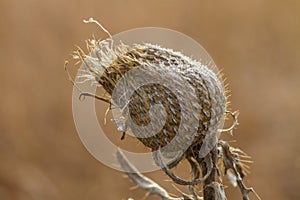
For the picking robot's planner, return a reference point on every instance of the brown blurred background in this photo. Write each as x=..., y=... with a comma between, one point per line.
x=256, y=43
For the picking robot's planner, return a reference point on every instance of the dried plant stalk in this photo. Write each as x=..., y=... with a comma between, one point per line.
x=105, y=65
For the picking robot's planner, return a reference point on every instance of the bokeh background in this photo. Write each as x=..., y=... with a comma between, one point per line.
x=256, y=43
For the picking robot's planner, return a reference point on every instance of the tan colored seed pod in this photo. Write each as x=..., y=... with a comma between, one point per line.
x=171, y=103
x=106, y=65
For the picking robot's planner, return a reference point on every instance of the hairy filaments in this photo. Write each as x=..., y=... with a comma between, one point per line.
x=106, y=65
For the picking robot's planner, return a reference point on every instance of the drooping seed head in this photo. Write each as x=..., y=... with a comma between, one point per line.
x=194, y=86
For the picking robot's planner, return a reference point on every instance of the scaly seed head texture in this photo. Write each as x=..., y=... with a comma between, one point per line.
x=106, y=65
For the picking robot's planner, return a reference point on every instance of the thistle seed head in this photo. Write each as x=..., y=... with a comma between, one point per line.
x=105, y=65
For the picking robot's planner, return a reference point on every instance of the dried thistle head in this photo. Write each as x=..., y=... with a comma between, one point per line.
x=185, y=89
x=105, y=65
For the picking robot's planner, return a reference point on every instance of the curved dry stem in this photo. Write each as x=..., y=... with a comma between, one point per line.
x=234, y=115
x=86, y=94
x=160, y=162
x=91, y=20
x=143, y=182
x=195, y=174
x=173, y=163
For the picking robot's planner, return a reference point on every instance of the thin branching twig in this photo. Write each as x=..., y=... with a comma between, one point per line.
x=144, y=182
